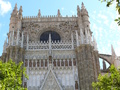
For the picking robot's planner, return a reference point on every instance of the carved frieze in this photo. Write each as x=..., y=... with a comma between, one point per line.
x=35, y=29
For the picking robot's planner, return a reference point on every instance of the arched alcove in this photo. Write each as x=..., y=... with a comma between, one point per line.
x=54, y=36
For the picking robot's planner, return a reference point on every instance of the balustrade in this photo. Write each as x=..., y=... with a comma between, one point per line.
x=62, y=45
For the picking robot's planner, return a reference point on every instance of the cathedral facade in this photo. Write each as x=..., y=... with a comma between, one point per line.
x=58, y=52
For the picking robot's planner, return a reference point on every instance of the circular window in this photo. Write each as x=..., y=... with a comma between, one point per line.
x=54, y=36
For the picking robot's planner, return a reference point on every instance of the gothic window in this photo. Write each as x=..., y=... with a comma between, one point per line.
x=58, y=62
x=45, y=62
x=74, y=62
x=34, y=63
x=70, y=62
x=38, y=63
x=76, y=85
x=66, y=62
x=25, y=63
x=54, y=62
x=25, y=84
x=62, y=63
x=30, y=63
x=50, y=59
x=54, y=36
x=41, y=63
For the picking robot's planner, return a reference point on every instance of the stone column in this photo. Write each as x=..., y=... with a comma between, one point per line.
x=18, y=37
x=86, y=63
x=22, y=40
x=27, y=41
x=77, y=41
x=72, y=40
x=13, y=38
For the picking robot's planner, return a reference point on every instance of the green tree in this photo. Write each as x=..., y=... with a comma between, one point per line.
x=11, y=75
x=109, y=3
x=110, y=81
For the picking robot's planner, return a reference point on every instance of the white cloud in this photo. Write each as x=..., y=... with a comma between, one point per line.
x=5, y=6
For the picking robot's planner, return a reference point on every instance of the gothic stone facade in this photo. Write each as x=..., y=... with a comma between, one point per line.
x=57, y=51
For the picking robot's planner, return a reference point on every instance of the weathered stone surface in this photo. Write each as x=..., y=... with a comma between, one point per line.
x=88, y=68
x=15, y=53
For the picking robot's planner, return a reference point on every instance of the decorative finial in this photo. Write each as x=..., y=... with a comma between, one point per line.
x=15, y=8
x=20, y=10
x=78, y=11
x=15, y=11
x=113, y=51
x=83, y=7
x=58, y=13
x=39, y=14
x=16, y=5
x=78, y=8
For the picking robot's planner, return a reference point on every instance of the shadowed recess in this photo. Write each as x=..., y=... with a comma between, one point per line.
x=54, y=36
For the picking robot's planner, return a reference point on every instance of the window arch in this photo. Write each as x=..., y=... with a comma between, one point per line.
x=54, y=36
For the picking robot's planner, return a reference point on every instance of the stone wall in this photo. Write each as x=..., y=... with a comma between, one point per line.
x=15, y=53
x=88, y=68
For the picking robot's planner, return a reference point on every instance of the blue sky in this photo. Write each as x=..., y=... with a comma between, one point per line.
x=104, y=29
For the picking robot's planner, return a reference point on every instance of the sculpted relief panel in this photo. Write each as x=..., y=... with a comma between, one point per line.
x=35, y=29
x=51, y=83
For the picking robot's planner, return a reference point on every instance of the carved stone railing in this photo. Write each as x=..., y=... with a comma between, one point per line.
x=62, y=45
x=49, y=18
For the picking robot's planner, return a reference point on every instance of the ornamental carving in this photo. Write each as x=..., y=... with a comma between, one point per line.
x=51, y=83
x=35, y=29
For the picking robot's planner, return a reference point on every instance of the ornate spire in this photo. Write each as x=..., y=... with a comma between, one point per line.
x=82, y=7
x=15, y=8
x=15, y=11
x=113, y=51
x=20, y=10
x=78, y=8
x=39, y=14
x=58, y=14
x=78, y=11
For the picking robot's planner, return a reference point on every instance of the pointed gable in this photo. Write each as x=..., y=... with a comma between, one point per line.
x=51, y=82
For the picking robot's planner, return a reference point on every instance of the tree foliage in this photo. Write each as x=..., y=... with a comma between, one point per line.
x=109, y=3
x=109, y=81
x=11, y=75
